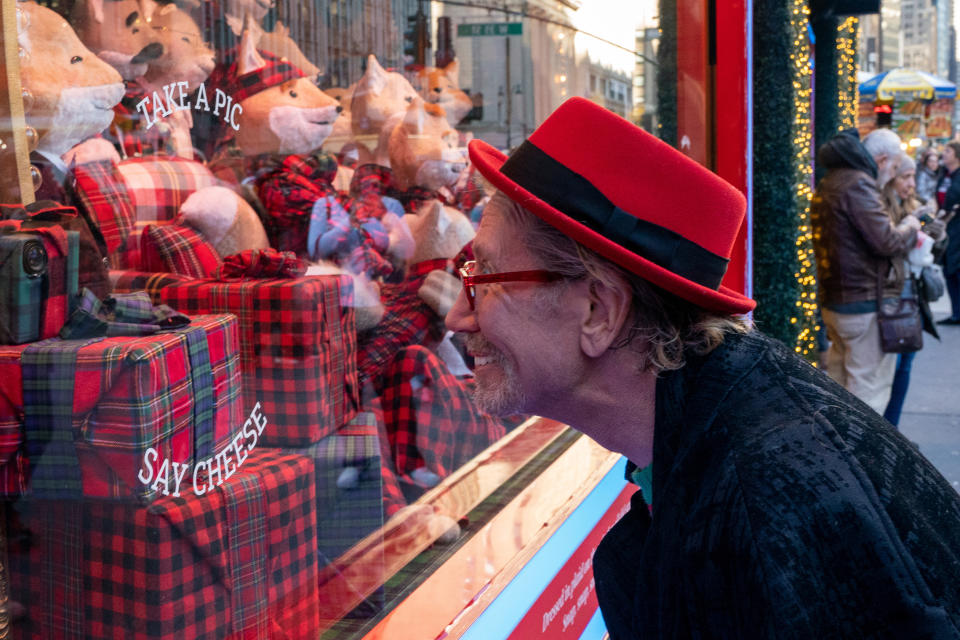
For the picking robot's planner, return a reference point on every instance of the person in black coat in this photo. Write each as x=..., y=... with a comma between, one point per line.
x=772, y=503
x=948, y=196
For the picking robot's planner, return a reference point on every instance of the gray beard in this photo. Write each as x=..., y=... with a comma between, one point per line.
x=503, y=398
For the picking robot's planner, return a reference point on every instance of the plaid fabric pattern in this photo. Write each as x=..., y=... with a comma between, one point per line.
x=157, y=187
x=49, y=370
x=429, y=416
x=273, y=73
x=150, y=282
x=36, y=308
x=288, y=187
x=129, y=314
x=238, y=561
x=349, y=485
x=101, y=190
x=183, y=250
x=262, y=263
x=128, y=395
x=298, y=349
x=407, y=320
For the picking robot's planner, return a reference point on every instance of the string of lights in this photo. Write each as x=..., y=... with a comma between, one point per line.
x=804, y=316
x=848, y=95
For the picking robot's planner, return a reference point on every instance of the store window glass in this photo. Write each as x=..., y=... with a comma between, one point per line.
x=229, y=233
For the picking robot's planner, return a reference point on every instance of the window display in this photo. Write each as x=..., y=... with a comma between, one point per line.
x=229, y=406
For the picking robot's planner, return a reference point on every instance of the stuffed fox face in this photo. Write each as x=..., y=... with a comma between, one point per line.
x=73, y=91
x=440, y=86
x=293, y=117
x=119, y=32
x=423, y=149
x=185, y=57
x=378, y=95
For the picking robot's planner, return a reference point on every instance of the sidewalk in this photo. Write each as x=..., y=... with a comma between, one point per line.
x=931, y=413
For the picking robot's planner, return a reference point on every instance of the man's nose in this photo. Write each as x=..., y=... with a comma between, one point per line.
x=461, y=318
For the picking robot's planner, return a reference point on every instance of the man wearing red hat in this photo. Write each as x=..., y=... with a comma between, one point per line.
x=773, y=503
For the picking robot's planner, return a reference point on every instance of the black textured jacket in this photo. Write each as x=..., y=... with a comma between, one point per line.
x=783, y=507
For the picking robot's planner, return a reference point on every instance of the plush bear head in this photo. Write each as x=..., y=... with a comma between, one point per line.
x=423, y=148
x=119, y=32
x=378, y=95
x=281, y=111
x=71, y=92
x=185, y=57
x=224, y=219
x=440, y=86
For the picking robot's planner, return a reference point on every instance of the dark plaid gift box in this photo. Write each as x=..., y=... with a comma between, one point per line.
x=35, y=305
x=238, y=561
x=350, y=485
x=298, y=349
x=176, y=392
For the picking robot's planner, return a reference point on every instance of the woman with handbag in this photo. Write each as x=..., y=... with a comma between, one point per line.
x=900, y=198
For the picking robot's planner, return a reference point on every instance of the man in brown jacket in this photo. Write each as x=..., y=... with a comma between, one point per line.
x=857, y=245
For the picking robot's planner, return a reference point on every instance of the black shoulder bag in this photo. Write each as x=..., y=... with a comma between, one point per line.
x=900, y=323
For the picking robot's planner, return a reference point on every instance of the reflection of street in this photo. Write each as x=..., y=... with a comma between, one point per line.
x=931, y=414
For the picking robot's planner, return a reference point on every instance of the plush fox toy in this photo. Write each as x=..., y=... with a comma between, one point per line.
x=440, y=86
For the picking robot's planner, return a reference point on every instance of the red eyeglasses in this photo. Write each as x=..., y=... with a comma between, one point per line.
x=470, y=281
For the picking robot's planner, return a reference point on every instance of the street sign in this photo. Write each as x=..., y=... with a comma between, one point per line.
x=490, y=29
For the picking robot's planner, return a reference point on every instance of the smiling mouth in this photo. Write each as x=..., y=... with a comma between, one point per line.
x=479, y=361
x=320, y=122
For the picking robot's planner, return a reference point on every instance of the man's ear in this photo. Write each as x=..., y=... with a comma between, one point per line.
x=605, y=317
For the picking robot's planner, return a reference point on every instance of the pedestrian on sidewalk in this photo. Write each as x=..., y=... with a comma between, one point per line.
x=948, y=196
x=899, y=196
x=856, y=246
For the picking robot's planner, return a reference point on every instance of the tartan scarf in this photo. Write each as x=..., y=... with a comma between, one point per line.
x=123, y=314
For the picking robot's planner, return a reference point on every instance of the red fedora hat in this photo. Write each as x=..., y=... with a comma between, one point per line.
x=630, y=197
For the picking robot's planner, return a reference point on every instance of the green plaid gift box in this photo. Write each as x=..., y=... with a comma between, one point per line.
x=88, y=411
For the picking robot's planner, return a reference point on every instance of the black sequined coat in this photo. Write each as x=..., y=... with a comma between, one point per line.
x=783, y=507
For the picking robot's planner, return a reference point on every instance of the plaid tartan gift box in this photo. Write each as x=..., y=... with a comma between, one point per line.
x=238, y=561
x=350, y=485
x=176, y=392
x=298, y=348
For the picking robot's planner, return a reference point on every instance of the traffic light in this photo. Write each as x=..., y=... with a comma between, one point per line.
x=884, y=114
x=416, y=39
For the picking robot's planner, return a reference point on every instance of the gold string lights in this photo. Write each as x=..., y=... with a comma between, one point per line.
x=804, y=317
x=848, y=93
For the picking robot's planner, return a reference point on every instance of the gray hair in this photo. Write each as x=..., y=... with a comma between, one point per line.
x=664, y=326
x=902, y=163
x=882, y=142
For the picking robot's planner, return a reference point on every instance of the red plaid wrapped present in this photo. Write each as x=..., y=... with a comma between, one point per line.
x=175, y=392
x=238, y=561
x=101, y=192
x=298, y=349
x=157, y=187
